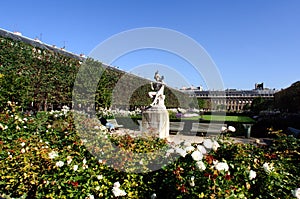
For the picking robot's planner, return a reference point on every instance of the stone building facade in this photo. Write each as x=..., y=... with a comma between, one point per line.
x=231, y=99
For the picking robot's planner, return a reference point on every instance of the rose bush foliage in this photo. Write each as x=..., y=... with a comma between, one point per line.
x=45, y=156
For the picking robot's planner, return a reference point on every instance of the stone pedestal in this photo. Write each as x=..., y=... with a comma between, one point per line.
x=156, y=120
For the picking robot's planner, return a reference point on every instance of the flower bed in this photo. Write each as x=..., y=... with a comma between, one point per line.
x=47, y=156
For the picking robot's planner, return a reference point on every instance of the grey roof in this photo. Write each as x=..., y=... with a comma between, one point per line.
x=37, y=43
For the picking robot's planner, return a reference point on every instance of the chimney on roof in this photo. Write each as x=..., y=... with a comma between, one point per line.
x=259, y=86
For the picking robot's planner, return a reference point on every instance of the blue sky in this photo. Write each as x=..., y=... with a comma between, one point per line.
x=250, y=41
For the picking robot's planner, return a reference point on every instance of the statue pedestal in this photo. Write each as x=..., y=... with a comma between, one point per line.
x=156, y=120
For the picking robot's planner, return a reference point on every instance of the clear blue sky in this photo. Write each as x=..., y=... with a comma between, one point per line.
x=250, y=41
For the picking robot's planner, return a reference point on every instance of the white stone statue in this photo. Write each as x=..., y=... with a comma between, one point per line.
x=158, y=94
x=155, y=118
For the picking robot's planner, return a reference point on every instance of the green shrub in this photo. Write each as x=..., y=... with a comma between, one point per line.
x=46, y=156
x=172, y=114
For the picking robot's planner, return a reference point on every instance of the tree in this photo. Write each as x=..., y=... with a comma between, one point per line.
x=261, y=104
x=247, y=107
x=201, y=103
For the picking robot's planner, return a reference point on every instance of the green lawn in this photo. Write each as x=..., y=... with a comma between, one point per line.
x=242, y=119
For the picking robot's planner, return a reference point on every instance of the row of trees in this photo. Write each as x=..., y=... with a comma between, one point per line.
x=288, y=100
x=119, y=89
x=34, y=77
x=40, y=79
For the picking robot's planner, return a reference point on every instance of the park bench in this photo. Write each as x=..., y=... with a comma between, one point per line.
x=293, y=131
x=115, y=123
x=207, y=129
x=176, y=127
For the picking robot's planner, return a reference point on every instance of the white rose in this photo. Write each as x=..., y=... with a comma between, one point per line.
x=268, y=168
x=215, y=162
x=117, y=184
x=23, y=150
x=141, y=162
x=200, y=165
x=181, y=152
x=99, y=177
x=75, y=167
x=69, y=160
x=189, y=149
x=153, y=196
x=59, y=164
x=231, y=128
x=215, y=145
x=222, y=166
x=208, y=143
x=53, y=155
x=296, y=193
x=117, y=191
x=197, y=155
x=85, y=166
x=192, y=182
x=252, y=174
x=201, y=149
x=223, y=128
x=91, y=196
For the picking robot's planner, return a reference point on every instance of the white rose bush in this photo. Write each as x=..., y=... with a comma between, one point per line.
x=296, y=193
x=48, y=159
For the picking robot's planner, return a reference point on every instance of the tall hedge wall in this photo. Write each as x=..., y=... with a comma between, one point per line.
x=42, y=79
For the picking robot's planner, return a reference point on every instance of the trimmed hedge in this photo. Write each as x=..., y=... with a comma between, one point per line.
x=41, y=79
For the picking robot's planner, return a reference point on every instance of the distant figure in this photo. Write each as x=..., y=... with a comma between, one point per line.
x=108, y=125
x=158, y=94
